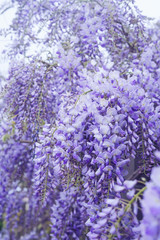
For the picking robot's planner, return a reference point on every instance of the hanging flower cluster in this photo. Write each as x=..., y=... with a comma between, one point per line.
x=151, y=207
x=80, y=126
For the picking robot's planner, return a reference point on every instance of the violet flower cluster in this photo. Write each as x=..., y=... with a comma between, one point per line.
x=151, y=207
x=81, y=123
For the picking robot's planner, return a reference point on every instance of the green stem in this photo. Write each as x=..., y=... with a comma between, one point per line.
x=127, y=207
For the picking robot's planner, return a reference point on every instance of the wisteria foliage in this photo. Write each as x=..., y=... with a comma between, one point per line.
x=80, y=124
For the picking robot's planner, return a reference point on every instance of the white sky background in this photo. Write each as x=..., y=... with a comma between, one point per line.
x=5, y=21
x=150, y=8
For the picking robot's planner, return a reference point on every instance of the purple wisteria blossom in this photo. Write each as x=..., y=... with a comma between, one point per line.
x=80, y=123
x=150, y=225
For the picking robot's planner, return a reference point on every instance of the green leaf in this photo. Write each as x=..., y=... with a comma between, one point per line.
x=5, y=137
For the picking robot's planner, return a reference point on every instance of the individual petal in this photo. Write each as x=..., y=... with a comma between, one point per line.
x=129, y=184
x=113, y=202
